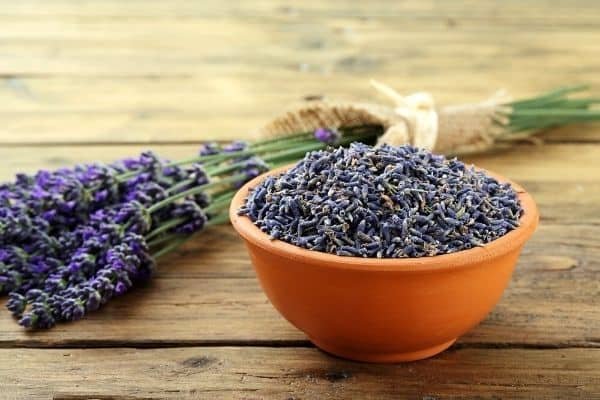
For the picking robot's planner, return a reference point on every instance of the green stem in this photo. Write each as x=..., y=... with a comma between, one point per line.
x=164, y=238
x=254, y=149
x=195, y=190
x=218, y=219
x=170, y=247
x=219, y=204
x=226, y=168
x=222, y=195
x=177, y=239
x=285, y=138
x=165, y=227
x=264, y=145
x=549, y=96
x=294, y=153
x=554, y=112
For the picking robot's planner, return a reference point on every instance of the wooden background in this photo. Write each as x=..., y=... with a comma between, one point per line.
x=98, y=80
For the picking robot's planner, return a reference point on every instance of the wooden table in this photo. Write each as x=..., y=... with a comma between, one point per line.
x=101, y=80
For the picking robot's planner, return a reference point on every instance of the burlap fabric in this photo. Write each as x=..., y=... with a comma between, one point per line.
x=413, y=119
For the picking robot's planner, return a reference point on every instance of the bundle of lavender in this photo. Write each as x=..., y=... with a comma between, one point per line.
x=451, y=130
x=72, y=239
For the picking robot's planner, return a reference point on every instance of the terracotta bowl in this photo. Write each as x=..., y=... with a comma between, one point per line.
x=383, y=310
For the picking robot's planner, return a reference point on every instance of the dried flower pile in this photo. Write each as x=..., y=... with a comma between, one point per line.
x=383, y=202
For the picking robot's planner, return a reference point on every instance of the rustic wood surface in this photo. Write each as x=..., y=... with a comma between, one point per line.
x=101, y=80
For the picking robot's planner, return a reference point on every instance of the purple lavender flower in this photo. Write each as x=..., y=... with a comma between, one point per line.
x=209, y=149
x=198, y=175
x=235, y=146
x=146, y=193
x=16, y=303
x=252, y=168
x=135, y=216
x=194, y=215
x=329, y=136
x=105, y=265
x=202, y=199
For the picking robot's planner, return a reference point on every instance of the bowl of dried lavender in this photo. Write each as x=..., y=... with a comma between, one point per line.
x=383, y=254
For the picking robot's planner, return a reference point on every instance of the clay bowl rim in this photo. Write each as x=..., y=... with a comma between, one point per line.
x=452, y=261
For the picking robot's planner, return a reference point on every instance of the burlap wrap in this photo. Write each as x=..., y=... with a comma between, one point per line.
x=412, y=120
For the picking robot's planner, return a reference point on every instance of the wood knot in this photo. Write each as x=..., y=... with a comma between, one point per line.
x=336, y=376
x=313, y=97
x=199, y=362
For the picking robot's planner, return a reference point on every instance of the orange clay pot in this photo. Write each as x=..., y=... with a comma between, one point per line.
x=383, y=310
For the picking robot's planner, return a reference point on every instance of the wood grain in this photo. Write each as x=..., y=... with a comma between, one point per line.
x=274, y=373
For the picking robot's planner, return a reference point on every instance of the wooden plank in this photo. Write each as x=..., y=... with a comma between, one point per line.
x=515, y=11
x=244, y=93
x=156, y=127
x=115, y=77
x=169, y=47
x=316, y=48
x=273, y=373
x=208, y=294
x=50, y=109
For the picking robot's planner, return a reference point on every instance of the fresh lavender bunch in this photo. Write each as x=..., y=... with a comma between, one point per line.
x=71, y=242
x=72, y=239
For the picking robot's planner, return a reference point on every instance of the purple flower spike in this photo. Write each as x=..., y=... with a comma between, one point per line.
x=329, y=136
x=120, y=288
x=195, y=217
x=252, y=168
x=16, y=304
x=235, y=146
x=209, y=149
x=199, y=175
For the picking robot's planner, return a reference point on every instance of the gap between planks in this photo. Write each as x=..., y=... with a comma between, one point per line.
x=43, y=144
x=112, y=344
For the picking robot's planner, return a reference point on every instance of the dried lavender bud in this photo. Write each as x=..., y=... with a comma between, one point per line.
x=384, y=202
x=202, y=199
